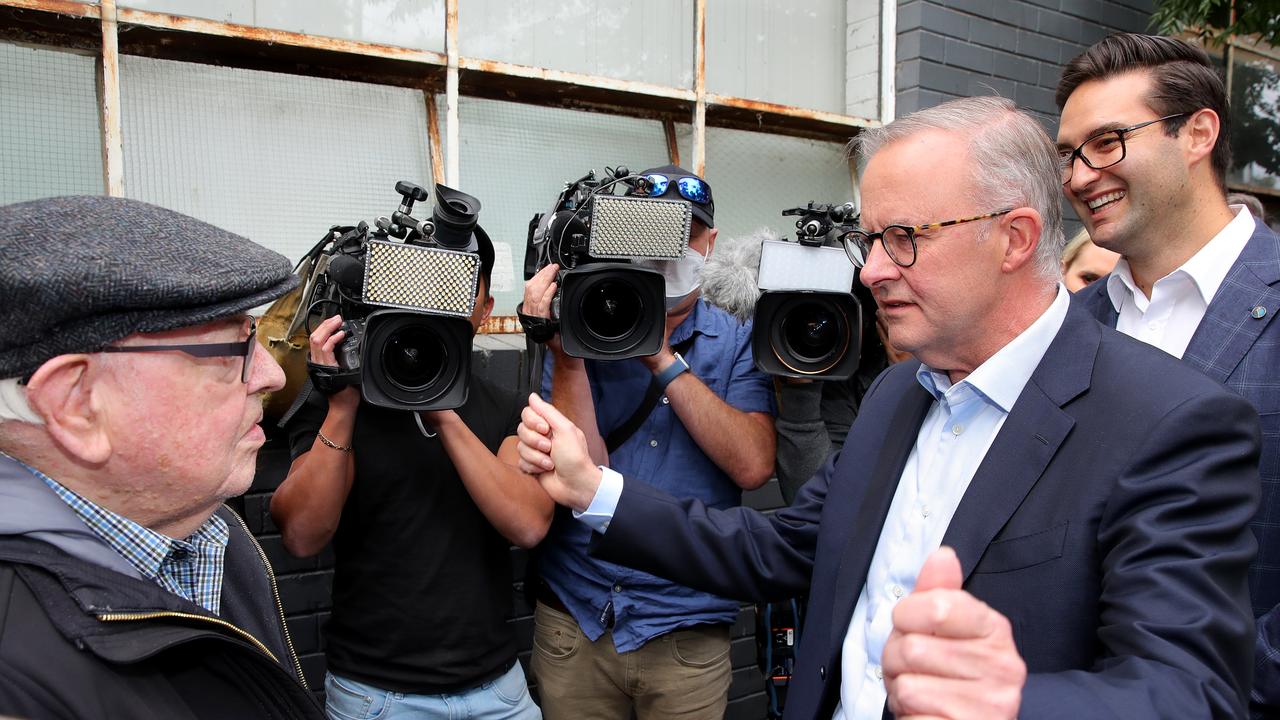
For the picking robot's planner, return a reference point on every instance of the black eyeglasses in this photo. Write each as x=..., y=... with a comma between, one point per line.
x=692, y=189
x=244, y=349
x=1104, y=149
x=899, y=240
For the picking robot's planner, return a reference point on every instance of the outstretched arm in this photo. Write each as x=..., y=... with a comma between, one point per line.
x=512, y=501
x=737, y=552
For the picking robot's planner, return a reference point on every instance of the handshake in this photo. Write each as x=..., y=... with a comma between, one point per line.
x=949, y=654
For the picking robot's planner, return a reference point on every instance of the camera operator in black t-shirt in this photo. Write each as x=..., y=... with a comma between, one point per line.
x=421, y=530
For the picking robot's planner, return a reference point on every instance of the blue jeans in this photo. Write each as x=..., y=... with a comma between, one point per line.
x=503, y=698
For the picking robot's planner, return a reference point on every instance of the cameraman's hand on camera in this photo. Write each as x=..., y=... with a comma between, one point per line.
x=324, y=343
x=555, y=451
x=539, y=291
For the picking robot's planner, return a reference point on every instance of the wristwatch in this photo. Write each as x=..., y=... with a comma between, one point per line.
x=672, y=371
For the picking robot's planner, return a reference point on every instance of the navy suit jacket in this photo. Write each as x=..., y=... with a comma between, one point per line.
x=1243, y=352
x=1108, y=522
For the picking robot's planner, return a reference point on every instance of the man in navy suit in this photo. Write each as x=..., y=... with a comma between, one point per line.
x=1095, y=491
x=1145, y=152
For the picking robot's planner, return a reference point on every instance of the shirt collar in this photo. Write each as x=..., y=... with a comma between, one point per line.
x=1206, y=269
x=144, y=548
x=699, y=321
x=1003, y=376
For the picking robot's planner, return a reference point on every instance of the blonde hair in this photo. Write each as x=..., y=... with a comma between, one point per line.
x=1073, y=247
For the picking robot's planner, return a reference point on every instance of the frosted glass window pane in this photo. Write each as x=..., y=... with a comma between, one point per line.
x=643, y=40
x=790, y=52
x=756, y=176
x=50, y=141
x=516, y=159
x=417, y=24
x=276, y=158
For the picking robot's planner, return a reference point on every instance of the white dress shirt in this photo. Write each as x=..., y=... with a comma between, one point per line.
x=1178, y=300
x=953, y=439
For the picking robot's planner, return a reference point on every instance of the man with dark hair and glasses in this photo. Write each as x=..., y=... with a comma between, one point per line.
x=607, y=639
x=1093, y=493
x=1144, y=155
x=129, y=408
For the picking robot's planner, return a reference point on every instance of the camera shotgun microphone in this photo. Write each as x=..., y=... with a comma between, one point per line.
x=348, y=272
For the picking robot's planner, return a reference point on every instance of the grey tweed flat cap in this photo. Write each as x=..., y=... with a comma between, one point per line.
x=78, y=273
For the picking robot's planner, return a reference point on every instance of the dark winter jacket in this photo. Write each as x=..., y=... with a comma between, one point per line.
x=80, y=640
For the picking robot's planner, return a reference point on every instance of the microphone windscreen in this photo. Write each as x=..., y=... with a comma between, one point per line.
x=347, y=272
x=729, y=277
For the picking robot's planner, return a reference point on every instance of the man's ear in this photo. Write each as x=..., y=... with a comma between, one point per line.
x=62, y=393
x=1022, y=235
x=1203, y=128
x=711, y=240
x=488, y=307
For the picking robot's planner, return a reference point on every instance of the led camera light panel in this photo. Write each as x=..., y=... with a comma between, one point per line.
x=631, y=227
x=413, y=277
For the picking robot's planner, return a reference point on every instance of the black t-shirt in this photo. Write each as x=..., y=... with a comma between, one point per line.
x=422, y=583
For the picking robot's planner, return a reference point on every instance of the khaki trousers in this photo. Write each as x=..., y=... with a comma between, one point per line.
x=684, y=674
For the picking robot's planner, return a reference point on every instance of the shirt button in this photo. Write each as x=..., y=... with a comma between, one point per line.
x=822, y=672
x=1152, y=326
x=617, y=588
x=897, y=591
x=665, y=400
x=924, y=510
x=653, y=443
x=957, y=429
x=879, y=673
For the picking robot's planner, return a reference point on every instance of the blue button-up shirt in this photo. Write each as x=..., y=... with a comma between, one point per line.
x=663, y=454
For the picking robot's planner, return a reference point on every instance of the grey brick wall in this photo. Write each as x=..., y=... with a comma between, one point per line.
x=1013, y=48
x=305, y=585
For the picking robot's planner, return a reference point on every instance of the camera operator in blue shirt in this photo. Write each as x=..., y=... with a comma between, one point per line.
x=609, y=639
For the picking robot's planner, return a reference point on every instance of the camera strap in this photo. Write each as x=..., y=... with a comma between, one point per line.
x=624, y=431
x=537, y=329
x=329, y=379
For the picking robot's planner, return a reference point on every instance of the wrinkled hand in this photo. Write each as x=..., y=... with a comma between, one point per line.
x=554, y=450
x=950, y=655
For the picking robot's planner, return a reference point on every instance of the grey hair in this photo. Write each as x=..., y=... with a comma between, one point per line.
x=1013, y=163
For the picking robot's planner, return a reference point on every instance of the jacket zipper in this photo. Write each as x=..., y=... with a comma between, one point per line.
x=284, y=626
x=119, y=617
x=271, y=575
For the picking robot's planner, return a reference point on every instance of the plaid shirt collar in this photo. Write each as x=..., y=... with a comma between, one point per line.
x=190, y=568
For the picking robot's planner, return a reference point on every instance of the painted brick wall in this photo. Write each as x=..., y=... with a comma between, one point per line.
x=1013, y=48
x=862, y=59
x=305, y=585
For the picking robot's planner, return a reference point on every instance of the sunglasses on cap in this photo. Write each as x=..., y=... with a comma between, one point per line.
x=690, y=188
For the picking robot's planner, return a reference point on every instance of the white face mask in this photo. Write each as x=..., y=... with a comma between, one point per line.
x=683, y=277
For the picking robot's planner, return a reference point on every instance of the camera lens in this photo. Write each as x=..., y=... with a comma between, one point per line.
x=811, y=335
x=811, y=331
x=611, y=309
x=413, y=357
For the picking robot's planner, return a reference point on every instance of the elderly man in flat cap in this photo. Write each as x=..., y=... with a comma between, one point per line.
x=130, y=397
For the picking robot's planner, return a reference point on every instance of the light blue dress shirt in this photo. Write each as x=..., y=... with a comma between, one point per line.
x=954, y=438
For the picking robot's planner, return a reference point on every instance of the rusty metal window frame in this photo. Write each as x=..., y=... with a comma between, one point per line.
x=69, y=24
